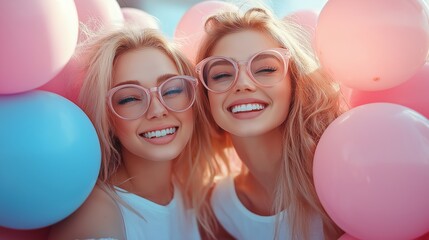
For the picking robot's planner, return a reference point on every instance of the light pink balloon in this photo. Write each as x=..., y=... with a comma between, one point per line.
x=413, y=93
x=372, y=44
x=69, y=81
x=190, y=29
x=305, y=18
x=371, y=172
x=345, y=236
x=139, y=17
x=95, y=14
x=37, y=40
x=424, y=237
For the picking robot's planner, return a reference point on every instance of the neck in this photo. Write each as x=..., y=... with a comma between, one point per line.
x=262, y=155
x=149, y=179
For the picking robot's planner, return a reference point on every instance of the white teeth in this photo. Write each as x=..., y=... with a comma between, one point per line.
x=247, y=107
x=159, y=133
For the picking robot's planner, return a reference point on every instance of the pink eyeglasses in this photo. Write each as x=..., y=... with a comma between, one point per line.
x=131, y=101
x=266, y=68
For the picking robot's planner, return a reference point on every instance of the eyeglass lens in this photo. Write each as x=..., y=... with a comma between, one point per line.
x=131, y=102
x=266, y=68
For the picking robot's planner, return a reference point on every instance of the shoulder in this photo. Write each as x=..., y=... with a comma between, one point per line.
x=98, y=217
x=224, y=186
x=218, y=231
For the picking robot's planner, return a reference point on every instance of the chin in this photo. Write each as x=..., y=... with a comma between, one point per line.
x=164, y=156
x=251, y=130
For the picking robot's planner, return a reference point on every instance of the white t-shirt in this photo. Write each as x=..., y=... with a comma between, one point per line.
x=246, y=225
x=172, y=221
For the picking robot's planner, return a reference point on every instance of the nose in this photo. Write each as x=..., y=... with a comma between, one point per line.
x=244, y=81
x=156, y=109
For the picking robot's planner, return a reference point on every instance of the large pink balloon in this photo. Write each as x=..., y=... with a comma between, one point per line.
x=372, y=44
x=414, y=93
x=69, y=81
x=190, y=29
x=345, y=236
x=306, y=18
x=139, y=17
x=96, y=14
x=38, y=37
x=371, y=172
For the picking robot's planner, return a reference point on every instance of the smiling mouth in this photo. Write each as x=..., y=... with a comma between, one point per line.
x=247, y=107
x=159, y=133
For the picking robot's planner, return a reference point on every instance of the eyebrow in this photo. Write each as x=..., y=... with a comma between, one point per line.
x=219, y=63
x=159, y=80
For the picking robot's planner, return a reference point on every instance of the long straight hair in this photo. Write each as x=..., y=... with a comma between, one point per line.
x=315, y=103
x=195, y=169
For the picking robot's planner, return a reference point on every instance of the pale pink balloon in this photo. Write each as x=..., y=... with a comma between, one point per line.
x=345, y=236
x=371, y=172
x=69, y=81
x=140, y=18
x=305, y=18
x=424, y=237
x=37, y=40
x=413, y=93
x=95, y=14
x=190, y=29
x=372, y=44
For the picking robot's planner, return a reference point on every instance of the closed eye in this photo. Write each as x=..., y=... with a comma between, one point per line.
x=127, y=100
x=172, y=91
x=220, y=76
x=266, y=70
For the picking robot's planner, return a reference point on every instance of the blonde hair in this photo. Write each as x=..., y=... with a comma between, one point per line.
x=195, y=168
x=314, y=105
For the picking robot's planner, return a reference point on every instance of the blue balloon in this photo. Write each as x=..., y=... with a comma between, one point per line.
x=50, y=158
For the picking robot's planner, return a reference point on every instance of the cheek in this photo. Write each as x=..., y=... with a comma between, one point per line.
x=122, y=128
x=215, y=102
x=286, y=96
x=187, y=118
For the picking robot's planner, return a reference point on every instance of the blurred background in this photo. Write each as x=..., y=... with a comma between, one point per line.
x=169, y=12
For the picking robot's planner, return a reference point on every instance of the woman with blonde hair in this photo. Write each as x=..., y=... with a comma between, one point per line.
x=157, y=164
x=267, y=98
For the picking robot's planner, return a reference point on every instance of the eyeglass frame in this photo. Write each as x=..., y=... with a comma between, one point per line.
x=149, y=92
x=284, y=53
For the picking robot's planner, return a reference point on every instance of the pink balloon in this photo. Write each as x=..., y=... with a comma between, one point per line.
x=412, y=93
x=348, y=237
x=139, y=17
x=69, y=81
x=371, y=172
x=12, y=234
x=424, y=237
x=372, y=44
x=305, y=18
x=190, y=29
x=38, y=39
x=96, y=14
x=345, y=236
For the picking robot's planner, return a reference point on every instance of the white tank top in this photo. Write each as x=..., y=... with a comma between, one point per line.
x=172, y=221
x=246, y=225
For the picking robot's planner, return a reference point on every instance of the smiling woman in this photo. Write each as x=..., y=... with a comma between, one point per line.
x=140, y=94
x=259, y=74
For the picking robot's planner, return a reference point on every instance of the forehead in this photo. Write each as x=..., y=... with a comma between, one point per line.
x=242, y=45
x=144, y=65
